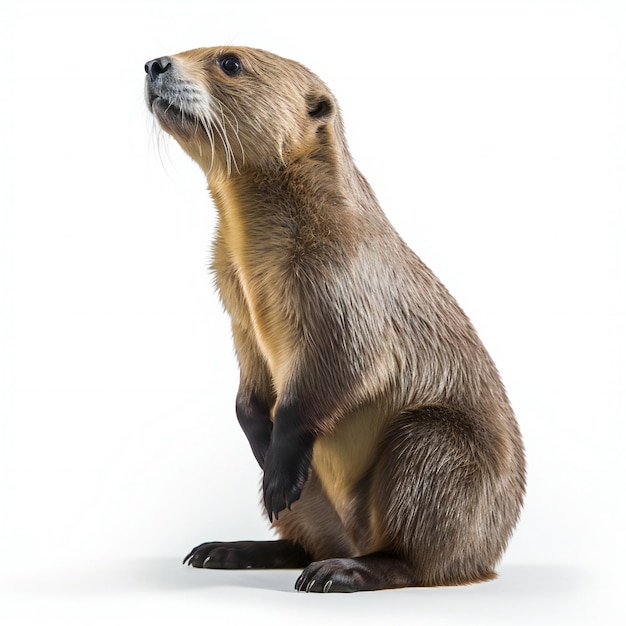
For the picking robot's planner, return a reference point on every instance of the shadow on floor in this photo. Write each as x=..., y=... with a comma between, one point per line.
x=164, y=575
x=513, y=579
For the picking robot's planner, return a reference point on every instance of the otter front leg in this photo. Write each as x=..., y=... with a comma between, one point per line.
x=287, y=461
x=279, y=554
x=253, y=414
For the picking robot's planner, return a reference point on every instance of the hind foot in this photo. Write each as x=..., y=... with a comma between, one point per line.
x=364, y=573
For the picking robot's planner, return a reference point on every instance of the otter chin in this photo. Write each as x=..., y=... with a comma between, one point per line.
x=390, y=454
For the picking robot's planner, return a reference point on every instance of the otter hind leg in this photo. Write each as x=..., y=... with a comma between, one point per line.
x=444, y=495
x=362, y=573
x=437, y=508
x=280, y=554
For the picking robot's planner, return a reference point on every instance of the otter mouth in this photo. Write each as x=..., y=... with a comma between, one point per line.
x=151, y=98
x=164, y=112
x=161, y=106
x=155, y=100
x=171, y=112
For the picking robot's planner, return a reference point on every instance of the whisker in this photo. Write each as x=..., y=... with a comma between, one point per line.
x=159, y=141
x=221, y=133
x=209, y=132
x=224, y=135
x=195, y=134
x=235, y=128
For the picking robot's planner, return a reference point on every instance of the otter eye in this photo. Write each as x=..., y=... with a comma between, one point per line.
x=230, y=65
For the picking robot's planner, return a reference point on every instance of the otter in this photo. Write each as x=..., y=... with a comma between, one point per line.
x=390, y=454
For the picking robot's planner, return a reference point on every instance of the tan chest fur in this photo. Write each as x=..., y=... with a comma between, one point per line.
x=260, y=280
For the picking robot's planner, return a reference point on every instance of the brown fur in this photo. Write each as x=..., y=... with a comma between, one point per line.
x=345, y=339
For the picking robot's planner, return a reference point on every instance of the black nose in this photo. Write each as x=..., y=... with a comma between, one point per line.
x=157, y=66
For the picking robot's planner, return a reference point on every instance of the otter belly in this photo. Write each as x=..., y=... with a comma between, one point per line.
x=344, y=456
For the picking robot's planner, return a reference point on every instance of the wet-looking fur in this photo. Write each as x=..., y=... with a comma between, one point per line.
x=390, y=454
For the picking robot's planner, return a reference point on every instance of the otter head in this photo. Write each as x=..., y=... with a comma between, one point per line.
x=234, y=109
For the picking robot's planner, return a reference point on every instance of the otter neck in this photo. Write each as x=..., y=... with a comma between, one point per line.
x=291, y=210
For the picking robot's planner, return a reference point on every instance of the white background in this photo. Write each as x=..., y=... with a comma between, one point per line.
x=494, y=134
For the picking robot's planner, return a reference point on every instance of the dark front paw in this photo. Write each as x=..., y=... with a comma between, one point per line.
x=223, y=555
x=286, y=472
x=214, y=554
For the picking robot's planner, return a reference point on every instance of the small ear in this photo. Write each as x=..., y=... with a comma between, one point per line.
x=318, y=106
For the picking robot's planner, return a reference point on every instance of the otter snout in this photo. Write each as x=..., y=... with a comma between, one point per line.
x=156, y=67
